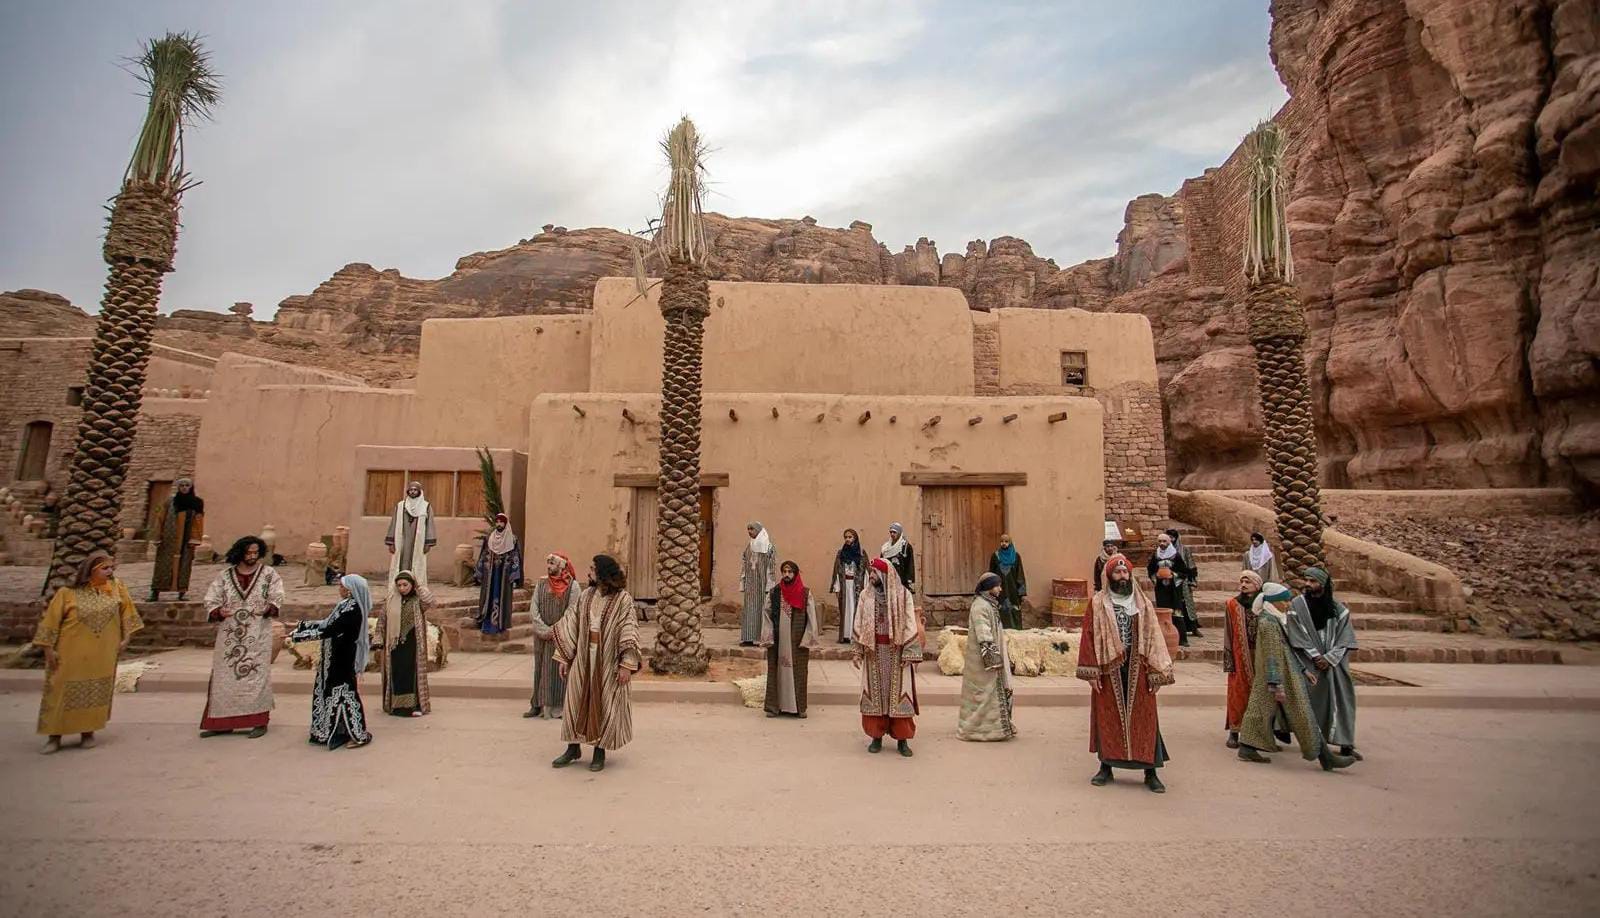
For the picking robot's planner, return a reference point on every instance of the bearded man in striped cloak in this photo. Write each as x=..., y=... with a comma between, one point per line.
x=597, y=650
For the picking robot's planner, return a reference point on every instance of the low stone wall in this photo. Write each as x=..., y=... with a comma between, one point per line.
x=1471, y=503
x=166, y=624
x=1355, y=563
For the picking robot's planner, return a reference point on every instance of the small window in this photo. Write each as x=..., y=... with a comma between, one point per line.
x=74, y=396
x=1074, y=368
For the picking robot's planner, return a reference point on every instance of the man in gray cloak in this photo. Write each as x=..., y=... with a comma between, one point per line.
x=1323, y=637
x=758, y=575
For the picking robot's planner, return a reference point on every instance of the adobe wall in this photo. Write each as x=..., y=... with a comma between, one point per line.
x=1020, y=350
x=834, y=338
x=476, y=377
x=807, y=480
x=276, y=443
x=368, y=553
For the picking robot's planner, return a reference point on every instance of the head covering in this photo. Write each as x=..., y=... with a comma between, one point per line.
x=87, y=566
x=1174, y=535
x=1108, y=647
x=760, y=543
x=988, y=582
x=502, y=540
x=850, y=551
x=1322, y=607
x=1260, y=555
x=1253, y=576
x=186, y=503
x=1167, y=553
x=362, y=594
x=905, y=625
x=896, y=545
x=416, y=507
x=1246, y=599
x=608, y=572
x=794, y=592
x=1007, y=553
x=391, y=610
x=1265, y=601
x=561, y=581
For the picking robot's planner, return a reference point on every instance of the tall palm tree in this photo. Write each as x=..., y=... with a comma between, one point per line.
x=685, y=304
x=141, y=238
x=1278, y=332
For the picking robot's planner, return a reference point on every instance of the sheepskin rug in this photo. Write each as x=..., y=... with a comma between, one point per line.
x=753, y=690
x=128, y=674
x=1033, y=652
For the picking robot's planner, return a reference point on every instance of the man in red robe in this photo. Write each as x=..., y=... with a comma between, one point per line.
x=1124, y=658
x=1239, y=650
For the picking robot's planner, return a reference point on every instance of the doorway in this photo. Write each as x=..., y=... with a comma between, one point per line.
x=961, y=527
x=155, y=500
x=642, y=569
x=35, y=451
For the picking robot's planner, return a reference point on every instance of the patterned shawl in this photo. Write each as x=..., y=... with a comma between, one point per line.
x=1109, y=650
x=905, y=625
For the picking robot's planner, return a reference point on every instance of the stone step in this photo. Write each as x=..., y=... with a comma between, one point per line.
x=1367, y=621
x=1360, y=603
x=1407, y=647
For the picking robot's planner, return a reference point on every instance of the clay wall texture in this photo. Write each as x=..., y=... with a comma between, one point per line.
x=780, y=473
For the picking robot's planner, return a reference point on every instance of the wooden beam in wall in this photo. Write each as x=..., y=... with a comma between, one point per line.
x=649, y=480
x=968, y=479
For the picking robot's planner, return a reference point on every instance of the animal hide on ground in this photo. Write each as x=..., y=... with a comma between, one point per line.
x=753, y=690
x=1033, y=652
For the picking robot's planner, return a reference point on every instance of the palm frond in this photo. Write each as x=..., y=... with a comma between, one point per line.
x=492, y=501
x=1266, y=240
x=682, y=233
x=182, y=88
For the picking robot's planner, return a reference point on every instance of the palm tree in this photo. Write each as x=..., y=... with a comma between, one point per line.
x=141, y=239
x=1278, y=332
x=685, y=304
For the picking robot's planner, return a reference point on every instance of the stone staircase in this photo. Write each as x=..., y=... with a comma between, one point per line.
x=464, y=613
x=1388, y=630
x=20, y=544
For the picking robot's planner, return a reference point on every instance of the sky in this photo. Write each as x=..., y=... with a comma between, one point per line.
x=407, y=134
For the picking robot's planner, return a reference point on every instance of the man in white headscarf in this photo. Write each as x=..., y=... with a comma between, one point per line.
x=897, y=551
x=1259, y=558
x=758, y=576
x=410, y=536
x=499, y=575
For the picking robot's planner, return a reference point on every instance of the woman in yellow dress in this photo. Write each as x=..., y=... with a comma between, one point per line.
x=84, y=630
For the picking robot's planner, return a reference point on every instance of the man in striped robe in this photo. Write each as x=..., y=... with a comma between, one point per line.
x=597, y=649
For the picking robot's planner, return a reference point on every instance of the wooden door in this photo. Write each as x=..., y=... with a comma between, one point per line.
x=642, y=542
x=961, y=527
x=156, y=497
x=35, y=451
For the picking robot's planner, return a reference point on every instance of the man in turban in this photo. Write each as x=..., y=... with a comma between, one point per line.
x=886, y=647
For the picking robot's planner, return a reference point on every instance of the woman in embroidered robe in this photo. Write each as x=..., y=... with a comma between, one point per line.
x=1124, y=658
x=849, y=573
x=1278, y=697
x=788, y=631
x=889, y=641
x=1238, y=651
x=84, y=629
x=986, y=673
x=405, y=649
x=597, y=647
x=337, y=717
x=243, y=600
x=553, y=598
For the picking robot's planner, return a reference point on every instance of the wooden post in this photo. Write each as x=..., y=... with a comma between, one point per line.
x=1058, y=416
x=973, y=422
x=628, y=416
x=1008, y=419
x=733, y=415
x=865, y=417
x=821, y=416
x=580, y=411
x=893, y=418
x=932, y=422
x=774, y=412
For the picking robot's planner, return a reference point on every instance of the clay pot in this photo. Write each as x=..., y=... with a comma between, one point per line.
x=1169, y=631
x=128, y=532
x=269, y=535
x=280, y=635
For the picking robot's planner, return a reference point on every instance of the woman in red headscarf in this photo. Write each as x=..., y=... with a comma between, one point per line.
x=887, y=645
x=553, y=596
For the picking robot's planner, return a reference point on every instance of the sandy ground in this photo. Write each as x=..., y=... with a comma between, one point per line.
x=717, y=810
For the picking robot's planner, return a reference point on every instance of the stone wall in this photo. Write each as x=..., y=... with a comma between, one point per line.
x=163, y=450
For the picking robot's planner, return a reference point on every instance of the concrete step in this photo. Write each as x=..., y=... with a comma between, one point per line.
x=1407, y=647
x=1367, y=621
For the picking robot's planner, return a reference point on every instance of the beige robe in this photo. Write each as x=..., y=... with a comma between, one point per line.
x=598, y=709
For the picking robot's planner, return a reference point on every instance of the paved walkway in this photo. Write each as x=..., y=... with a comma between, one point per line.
x=714, y=810
x=835, y=682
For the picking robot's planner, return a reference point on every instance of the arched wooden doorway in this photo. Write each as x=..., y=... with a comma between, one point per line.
x=35, y=451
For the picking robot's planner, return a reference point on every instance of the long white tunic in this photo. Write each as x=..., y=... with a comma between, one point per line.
x=241, y=664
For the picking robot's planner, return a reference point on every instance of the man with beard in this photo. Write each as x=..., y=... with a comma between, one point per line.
x=177, y=532
x=1238, y=651
x=888, y=643
x=499, y=576
x=597, y=649
x=243, y=600
x=1278, y=696
x=986, y=671
x=553, y=598
x=1323, y=637
x=1167, y=569
x=1124, y=658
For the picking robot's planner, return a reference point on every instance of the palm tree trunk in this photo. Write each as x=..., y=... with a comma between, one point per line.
x=685, y=303
x=139, y=248
x=1278, y=331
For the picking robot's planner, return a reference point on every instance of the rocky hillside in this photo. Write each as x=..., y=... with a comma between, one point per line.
x=1446, y=162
